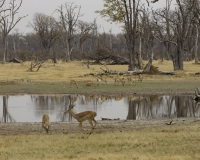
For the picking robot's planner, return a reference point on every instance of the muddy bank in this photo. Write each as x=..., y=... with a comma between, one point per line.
x=101, y=127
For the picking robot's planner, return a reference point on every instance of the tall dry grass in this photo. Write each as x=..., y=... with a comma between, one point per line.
x=173, y=142
x=14, y=78
x=65, y=71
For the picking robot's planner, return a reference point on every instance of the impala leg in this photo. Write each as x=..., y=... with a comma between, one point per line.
x=80, y=125
x=94, y=122
x=90, y=121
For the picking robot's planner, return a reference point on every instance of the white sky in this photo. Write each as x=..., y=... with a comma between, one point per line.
x=88, y=7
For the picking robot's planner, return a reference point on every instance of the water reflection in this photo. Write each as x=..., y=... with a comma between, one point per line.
x=30, y=108
x=6, y=115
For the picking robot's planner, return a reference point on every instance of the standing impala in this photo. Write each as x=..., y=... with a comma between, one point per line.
x=83, y=116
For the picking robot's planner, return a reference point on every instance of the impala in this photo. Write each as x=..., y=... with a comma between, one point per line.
x=131, y=80
x=119, y=80
x=88, y=83
x=98, y=80
x=83, y=116
x=45, y=122
x=73, y=82
x=101, y=79
x=140, y=77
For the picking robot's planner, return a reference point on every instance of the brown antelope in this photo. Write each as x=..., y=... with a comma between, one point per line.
x=73, y=82
x=83, y=116
x=131, y=80
x=98, y=80
x=119, y=80
x=140, y=77
x=45, y=122
x=88, y=83
x=101, y=79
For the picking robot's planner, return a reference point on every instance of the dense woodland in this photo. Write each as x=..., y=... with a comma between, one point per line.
x=169, y=33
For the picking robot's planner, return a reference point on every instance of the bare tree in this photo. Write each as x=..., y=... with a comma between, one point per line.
x=8, y=21
x=69, y=15
x=126, y=11
x=84, y=32
x=181, y=25
x=196, y=12
x=46, y=31
x=163, y=29
x=146, y=27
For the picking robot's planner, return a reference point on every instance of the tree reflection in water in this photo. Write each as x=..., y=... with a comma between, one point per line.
x=153, y=107
x=139, y=107
x=6, y=117
x=133, y=107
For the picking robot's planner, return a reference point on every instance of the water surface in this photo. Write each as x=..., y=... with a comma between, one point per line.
x=30, y=108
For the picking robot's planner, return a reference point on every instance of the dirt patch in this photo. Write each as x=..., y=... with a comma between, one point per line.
x=101, y=127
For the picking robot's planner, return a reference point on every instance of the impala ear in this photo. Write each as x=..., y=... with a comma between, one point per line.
x=71, y=106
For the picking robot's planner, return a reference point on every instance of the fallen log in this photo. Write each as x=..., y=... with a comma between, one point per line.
x=166, y=72
x=109, y=119
x=111, y=72
x=197, y=73
x=15, y=60
x=170, y=123
x=135, y=72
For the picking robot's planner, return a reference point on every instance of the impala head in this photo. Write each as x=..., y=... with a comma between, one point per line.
x=47, y=128
x=70, y=107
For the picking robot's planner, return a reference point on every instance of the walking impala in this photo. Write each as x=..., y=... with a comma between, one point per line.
x=73, y=82
x=83, y=116
x=131, y=80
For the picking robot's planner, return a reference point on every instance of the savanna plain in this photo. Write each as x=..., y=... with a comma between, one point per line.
x=127, y=139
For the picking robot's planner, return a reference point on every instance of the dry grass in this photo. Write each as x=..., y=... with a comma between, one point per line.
x=64, y=72
x=55, y=79
x=174, y=143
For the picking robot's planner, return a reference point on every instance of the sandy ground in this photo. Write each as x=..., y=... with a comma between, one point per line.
x=101, y=127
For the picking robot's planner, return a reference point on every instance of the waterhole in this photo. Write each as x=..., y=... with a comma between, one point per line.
x=30, y=108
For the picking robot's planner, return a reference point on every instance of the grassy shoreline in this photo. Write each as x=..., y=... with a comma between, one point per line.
x=145, y=87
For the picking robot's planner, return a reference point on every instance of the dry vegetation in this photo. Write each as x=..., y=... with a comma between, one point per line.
x=14, y=78
x=172, y=142
x=163, y=142
x=64, y=72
